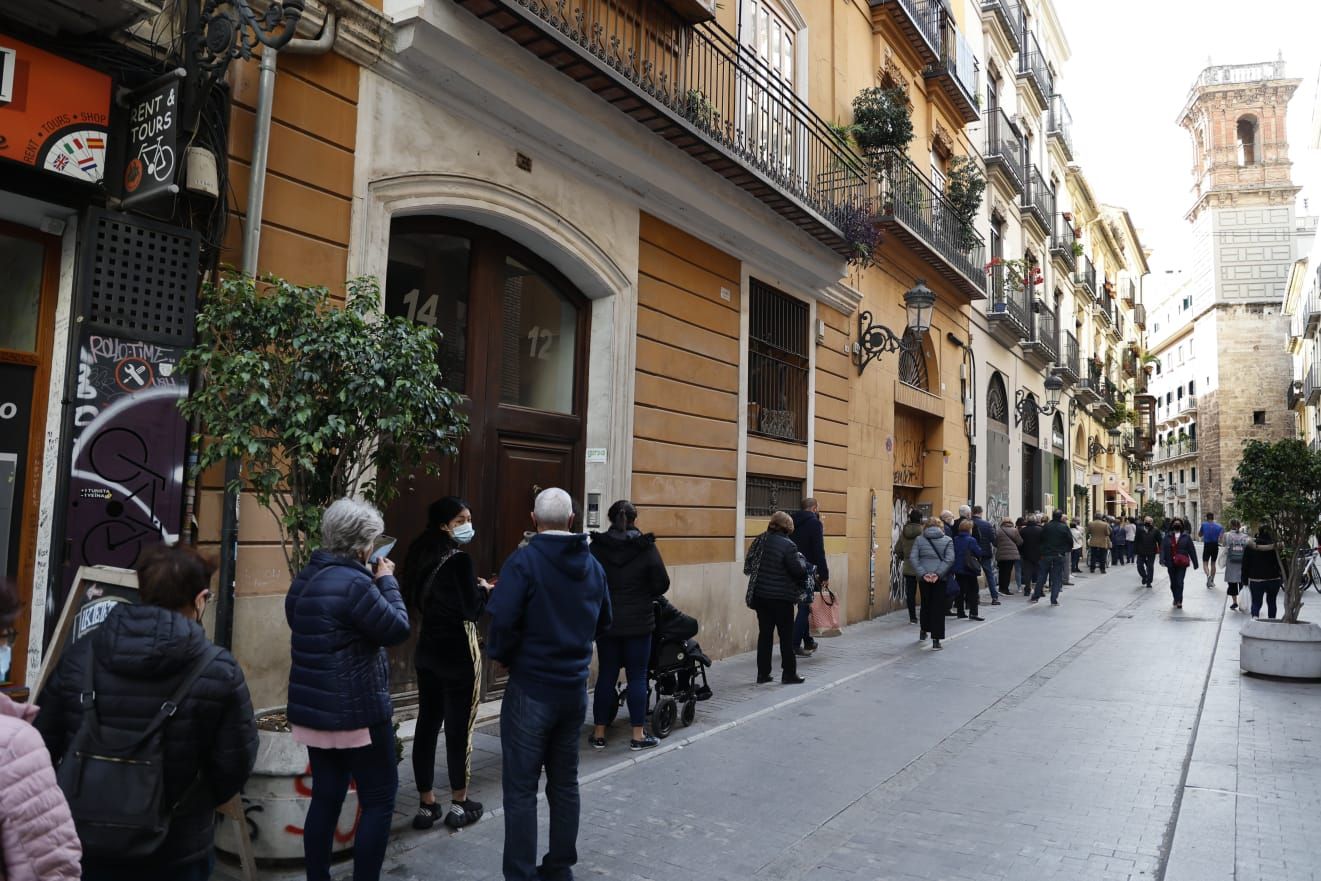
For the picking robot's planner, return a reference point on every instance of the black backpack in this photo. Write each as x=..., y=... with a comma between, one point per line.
x=114, y=778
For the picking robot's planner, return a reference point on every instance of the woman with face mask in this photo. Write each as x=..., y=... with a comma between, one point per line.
x=446, y=593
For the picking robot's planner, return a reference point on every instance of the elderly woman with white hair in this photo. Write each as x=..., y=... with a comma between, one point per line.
x=343, y=609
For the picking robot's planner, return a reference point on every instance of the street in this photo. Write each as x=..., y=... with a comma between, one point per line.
x=1077, y=742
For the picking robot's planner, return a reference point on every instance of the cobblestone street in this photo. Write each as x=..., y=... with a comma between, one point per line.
x=1078, y=742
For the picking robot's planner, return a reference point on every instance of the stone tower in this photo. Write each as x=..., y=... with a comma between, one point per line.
x=1245, y=243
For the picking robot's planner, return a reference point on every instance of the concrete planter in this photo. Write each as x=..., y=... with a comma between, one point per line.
x=1290, y=651
x=275, y=801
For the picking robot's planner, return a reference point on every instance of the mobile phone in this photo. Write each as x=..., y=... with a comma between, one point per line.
x=381, y=548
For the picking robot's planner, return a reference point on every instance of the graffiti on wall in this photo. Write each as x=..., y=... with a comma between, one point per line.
x=897, y=522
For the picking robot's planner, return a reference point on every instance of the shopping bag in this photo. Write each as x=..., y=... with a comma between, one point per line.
x=824, y=615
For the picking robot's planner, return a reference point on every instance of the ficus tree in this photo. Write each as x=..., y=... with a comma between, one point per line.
x=1279, y=485
x=317, y=400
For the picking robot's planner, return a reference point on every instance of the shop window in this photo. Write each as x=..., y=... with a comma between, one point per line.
x=777, y=364
x=765, y=495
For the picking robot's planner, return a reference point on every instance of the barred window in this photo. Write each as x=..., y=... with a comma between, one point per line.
x=777, y=364
x=766, y=495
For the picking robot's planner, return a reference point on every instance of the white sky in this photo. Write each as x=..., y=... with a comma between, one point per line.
x=1133, y=63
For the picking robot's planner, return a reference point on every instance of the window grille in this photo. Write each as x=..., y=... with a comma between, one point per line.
x=777, y=364
x=997, y=401
x=766, y=495
x=913, y=364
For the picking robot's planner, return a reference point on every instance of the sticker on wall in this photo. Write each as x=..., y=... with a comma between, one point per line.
x=596, y=455
x=889, y=443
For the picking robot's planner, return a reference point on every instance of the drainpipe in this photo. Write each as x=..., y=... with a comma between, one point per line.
x=261, y=142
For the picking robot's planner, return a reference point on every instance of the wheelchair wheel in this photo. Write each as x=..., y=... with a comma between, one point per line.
x=662, y=718
x=688, y=713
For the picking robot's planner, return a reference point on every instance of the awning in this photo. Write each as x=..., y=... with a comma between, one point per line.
x=1128, y=500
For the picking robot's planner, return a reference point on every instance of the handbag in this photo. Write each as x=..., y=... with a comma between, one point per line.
x=808, y=587
x=824, y=615
x=1177, y=557
x=752, y=566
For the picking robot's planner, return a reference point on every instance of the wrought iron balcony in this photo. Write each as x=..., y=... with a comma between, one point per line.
x=1177, y=450
x=1140, y=316
x=1006, y=18
x=919, y=21
x=1105, y=306
x=1069, y=365
x=1038, y=201
x=1004, y=149
x=1059, y=125
x=956, y=72
x=1118, y=323
x=1085, y=277
x=1294, y=395
x=1312, y=383
x=696, y=87
x=1008, y=309
x=1061, y=245
x=1042, y=347
x=1128, y=292
x=1312, y=310
x=1032, y=68
x=914, y=211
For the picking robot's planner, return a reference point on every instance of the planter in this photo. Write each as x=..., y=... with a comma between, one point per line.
x=275, y=801
x=1289, y=651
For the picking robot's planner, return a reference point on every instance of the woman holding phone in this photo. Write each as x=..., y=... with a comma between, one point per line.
x=444, y=589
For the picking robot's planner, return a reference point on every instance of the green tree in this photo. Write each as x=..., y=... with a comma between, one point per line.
x=1279, y=485
x=881, y=120
x=317, y=400
x=1156, y=511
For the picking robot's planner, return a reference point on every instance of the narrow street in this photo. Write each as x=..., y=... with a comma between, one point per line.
x=1045, y=743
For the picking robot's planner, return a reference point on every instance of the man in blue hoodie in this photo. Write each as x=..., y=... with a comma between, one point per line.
x=809, y=536
x=549, y=607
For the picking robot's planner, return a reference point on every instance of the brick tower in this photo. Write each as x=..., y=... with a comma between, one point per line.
x=1245, y=242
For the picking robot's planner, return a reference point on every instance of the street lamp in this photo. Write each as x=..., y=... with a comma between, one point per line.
x=1094, y=448
x=1023, y=403
x=1114, y=440
x=875, y=339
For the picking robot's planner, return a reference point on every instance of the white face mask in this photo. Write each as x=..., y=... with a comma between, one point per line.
x=464, y=533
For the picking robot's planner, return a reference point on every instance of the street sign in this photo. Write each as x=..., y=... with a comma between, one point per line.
x=151, y=150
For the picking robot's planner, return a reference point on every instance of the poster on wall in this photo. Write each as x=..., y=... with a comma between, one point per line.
x=95, y=591
x=54, y=113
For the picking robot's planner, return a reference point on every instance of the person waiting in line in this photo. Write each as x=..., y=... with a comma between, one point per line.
x=1056, y=545
x=138, y=657
x=344, y=608
x=1079, y=537
x=1007, y=542
x=984, y=531
x=1262, y=572
x=1031, y=553
x=449, y=597
x=1146, y=545
x=778, y=574
x=912, y=529
x=1098, y=543
x=967, y=566
x=810, y=537
x=1178, y=555
x=1118, y=541
x=932, y=558
x=1130, y=533
x=635, y=577
x=1234, y=544
x=1210, y=533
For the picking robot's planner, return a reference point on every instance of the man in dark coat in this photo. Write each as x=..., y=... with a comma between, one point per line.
x=1030, y=550
x=984, y=532
x=1146, y=543
x=1056, y=546
x=809, y=536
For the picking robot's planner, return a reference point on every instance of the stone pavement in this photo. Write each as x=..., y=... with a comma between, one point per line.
x=1108, y=738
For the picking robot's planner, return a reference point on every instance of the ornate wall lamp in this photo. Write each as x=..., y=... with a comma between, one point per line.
x=875, y=340
x=1096, y=448
x=219, y=31
x=1024, y=403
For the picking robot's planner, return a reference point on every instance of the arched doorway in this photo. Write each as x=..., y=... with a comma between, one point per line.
x=997, y=449
x=1032, y=482
x=515, y=345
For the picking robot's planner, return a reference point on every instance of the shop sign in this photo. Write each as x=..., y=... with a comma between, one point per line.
x=150, y=137
x=54, y=113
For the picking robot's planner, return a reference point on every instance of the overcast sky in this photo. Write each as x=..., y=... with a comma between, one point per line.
x=1132, y=65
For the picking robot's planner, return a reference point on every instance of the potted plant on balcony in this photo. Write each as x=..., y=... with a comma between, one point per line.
x=1279, y=485
x=1077, y=245
x=858, y=223
x=964, y=187
x=881, y=122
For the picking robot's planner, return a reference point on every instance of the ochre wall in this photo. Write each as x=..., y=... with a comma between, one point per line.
x=834, y=370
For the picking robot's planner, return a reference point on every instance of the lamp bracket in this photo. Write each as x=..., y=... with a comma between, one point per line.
x=875, y=340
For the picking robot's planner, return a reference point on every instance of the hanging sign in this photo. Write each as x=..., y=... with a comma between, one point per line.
x=54, y=113
x=151, y=150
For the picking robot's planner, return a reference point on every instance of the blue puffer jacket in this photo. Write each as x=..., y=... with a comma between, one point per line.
x=341, y=619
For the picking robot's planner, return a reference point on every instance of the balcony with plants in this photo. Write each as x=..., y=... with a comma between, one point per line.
x=1033, y=70
x=1010, y=293
x=1004, y=17
x=1038, y=205
x=1065, y=249
x=1042, y=346
x=1059, y=126
x=1069, y=365
x=694, y=85
x=956, y=72
x=918, y=20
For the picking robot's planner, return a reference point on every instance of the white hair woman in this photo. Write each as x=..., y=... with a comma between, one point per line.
x=343, y=609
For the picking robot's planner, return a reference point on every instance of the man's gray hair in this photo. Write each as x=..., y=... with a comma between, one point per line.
x=553, y=509
x=350, y=526
x=965, y=511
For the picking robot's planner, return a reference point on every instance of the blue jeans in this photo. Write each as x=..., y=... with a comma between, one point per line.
x=536, y=734
x=1018, y=573
x=1267, y=590
x=988, y=569
x=375, y=771
x=197, y=870
x=802, y=621
x=1052, y=567
x=632, y=653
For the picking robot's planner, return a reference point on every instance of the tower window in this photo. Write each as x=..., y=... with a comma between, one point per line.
x=1258, y=417
x=1246, y=135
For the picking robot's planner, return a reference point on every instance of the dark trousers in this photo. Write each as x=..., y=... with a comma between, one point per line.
x=968, y=591
x=1075, y=557
x=1117, y=554
x=1096, y=559
x=775, y=616
x=1006, y=574
x=1177, y=574
x=1030, y=570
x=197, y=870
x=910, y=595
x=537, y=734
x=933, y=607
x=452, y=703
x=802, y=624
x=374, y=771
x=1052, y=568
x=1268, y=590
x=1146, y=567
x=631, y=653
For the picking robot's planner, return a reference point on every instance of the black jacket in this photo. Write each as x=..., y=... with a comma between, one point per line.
x=1184, y=546
x=341, y=619
x=1030, y=550
x=1260, y=563
x=635, y=575
x=1056, y=539
x=781, y=573
x=142, y=653
x=447, y=598
x=810, y=538
x=1147, y=539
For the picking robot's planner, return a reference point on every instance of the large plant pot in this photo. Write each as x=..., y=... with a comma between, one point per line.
x=275, y=801
x=1290, y=651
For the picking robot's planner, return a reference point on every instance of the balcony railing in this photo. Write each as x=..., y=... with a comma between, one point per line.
x=1004, y=148
x=1038, y=199
x=1085, y=276
x=1105, y=307
x=956, y=72
x=1044, y=339
x=1140, y=316
x=1128, y=292
x=1007, y=18
x=913, y=210
x=1312, y=383
x=1069, y=366
x=1008, y=301
x=698, y=88
x=920, y=22
x=1312, y=309
x=1032, y=67
x=1186, y=405
x=1059, y=125
x=1061, y=244
x=1177, y=450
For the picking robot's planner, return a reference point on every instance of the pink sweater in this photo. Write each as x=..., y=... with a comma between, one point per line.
x=37, y=839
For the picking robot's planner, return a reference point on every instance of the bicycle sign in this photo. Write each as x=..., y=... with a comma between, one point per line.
x=150, y=139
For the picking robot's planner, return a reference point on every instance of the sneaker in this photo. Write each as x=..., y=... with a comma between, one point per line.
x=762, y=680
x=647, y=742
x=811, y=645
x=427, y=815
x=961, y=615
x=1036, y=599
x=802, y=653
x=597, y=742
x=1054, y=602
x=976, y=618
x=935, y=645
x=995, y=602
x=912, y=620
x=463, y=814
x=922, y=637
